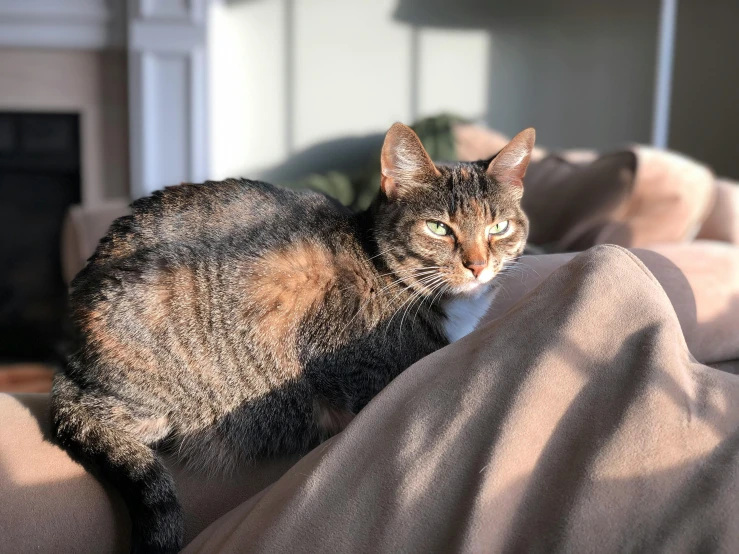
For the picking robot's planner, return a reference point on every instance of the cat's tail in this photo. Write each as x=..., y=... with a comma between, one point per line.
x=101, y=434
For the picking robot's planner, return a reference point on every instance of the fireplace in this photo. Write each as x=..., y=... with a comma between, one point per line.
x=39, y=179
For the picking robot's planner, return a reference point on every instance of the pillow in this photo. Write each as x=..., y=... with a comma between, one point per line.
x=633, y=198
x=571, y=205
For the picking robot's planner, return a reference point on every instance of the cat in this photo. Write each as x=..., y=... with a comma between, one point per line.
x=236, y=320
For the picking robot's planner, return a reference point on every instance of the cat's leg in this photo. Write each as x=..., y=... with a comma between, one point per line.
x=282, y=422
x=113, y=443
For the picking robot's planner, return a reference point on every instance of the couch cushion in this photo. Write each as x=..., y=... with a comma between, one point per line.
x=632, y=198
x=571, y=205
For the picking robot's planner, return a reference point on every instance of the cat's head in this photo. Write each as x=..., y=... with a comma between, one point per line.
x=450, y=226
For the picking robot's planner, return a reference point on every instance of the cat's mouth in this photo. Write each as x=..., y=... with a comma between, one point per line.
x=455, y=283
x=472, y=286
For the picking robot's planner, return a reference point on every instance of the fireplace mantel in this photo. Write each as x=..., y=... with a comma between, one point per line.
x=75, y=24
x=165, y=43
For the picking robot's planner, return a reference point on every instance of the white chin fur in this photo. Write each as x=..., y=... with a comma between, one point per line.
x=464, y=312
x=468, y=287
x=475, y=286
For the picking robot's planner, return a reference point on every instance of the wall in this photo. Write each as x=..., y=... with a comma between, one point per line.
x=91, y=83
x=582, y=74
x=290, y=75
x=704, y=119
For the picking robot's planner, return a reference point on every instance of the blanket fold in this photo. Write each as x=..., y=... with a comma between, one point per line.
x=595, y=431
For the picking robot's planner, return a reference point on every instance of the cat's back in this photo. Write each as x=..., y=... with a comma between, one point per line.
x=218, y=226
x=212, y=212
x=216, y=275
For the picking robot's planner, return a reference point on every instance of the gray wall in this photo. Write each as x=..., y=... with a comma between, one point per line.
x=582, y=78
x=704, y=119
x=581, y=71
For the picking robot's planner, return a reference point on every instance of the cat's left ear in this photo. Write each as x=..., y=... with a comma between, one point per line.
x=509, y=166
x=405, y=163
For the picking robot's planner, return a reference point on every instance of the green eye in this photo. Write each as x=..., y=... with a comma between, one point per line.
x=438, y=228
x=499, y=228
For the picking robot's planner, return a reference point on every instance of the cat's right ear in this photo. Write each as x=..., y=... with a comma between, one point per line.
x=405, y=163
x=509, y=166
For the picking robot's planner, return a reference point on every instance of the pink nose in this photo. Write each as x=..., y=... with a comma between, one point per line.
x=475, y=267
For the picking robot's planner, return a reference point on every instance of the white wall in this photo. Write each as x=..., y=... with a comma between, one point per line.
x=247, y=86
x=287, y=75
x=346, y=69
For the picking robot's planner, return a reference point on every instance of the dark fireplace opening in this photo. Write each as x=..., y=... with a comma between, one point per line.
x=39, y=180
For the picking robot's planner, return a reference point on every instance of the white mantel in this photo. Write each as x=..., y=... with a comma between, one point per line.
x=73, y=24
x=167, y=83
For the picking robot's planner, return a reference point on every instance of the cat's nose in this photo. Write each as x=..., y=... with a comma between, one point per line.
x=476, y=267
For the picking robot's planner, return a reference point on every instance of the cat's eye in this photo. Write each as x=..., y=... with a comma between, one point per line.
x=438, y=228
x=499, y=228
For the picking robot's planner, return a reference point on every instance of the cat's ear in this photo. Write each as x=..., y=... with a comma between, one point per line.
x=405, y=163
x=509, y=166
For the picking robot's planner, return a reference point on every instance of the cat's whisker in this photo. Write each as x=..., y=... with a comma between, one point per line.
x=441, y=291
x=403, y=276
x=381, y=253
x=410, y=270
x=422, y=281
x=425, y=270
x=401, y=280
x=522, y=270
x=499, y=285
x=416, y=296
x=515, y=263
x=369, y=299
x=397, y=310
x=533, y=256
x=439, y=294
x=408, y=305
x=509, y=270
x=436, y=287
x=413, y=271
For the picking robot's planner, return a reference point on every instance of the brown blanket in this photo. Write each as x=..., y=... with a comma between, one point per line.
x=577, y=421
x=593, y=431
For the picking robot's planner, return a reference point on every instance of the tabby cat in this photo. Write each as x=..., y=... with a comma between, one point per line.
x=236, y=320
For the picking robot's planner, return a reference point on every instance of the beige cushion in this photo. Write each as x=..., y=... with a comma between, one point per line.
x=82, y=230
x=572, y=206
x=631, y=198
x=722, y=222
